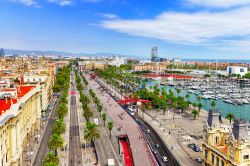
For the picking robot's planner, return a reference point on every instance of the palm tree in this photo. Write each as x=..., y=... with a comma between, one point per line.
x=187, y=96
x=163, y=105
x=230, y=117
x=87, y=114
x=62, y=110
x=59, y=127
x=104, y=117
x=195, y=113
x=99, y=107
x=56, y=141
x=174, y=104
x=178, y=91
x=213, y=104
x=150, y=87
x=50, y=159
x=198, y=98
x=91, y=132
x=51, y=164
x=200, y=106
x=110, y=126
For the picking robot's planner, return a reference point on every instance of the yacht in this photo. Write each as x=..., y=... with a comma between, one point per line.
x=228, y=101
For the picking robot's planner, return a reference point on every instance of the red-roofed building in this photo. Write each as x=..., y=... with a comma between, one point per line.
x=20, y=116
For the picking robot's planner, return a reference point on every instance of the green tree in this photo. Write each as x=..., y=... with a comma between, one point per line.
x=198, y=98
x=187, y=97
x=91, y=132
x=110, y=126
x=163, y=105
x=230, y=117
x=87, y=113
x=99, y=108
x=62, y=110
x=213, y=104
x=195, y=113
x=56, y=141
x=104, y=117
x=178, y=91
x=200, y=106
x=51, y=159
x=59, y=127
x=56, y=88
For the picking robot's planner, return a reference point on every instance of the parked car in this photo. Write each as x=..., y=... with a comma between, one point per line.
x=198, y=160
x=195, y=147
x=157, y=146
x=148, y=131
x=191, y=146
x=164, y=159
x=155, y=152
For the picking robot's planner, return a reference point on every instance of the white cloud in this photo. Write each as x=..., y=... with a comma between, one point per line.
x=26, y=2
x=62, y=2
x=108, y=15
x=200, y=28
x=218, y=3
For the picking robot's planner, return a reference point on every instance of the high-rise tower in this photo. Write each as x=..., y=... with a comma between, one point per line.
x=154, y=53
x=1, y=52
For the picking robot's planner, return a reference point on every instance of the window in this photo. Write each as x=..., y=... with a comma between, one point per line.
x=216, y=140
x=213, y=158
x=222, y=163
x=217, y=161
x=241, y=70
x=206, y=152
x=246, y=157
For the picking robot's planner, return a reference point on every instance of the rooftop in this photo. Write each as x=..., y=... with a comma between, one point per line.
x=5, y=104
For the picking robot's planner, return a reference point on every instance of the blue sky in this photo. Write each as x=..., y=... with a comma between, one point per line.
x=180, y=28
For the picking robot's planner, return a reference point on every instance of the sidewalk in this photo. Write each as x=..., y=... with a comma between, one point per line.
x=33, y=146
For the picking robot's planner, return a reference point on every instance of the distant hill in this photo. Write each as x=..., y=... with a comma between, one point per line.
x=35, y=52
x=38, y=52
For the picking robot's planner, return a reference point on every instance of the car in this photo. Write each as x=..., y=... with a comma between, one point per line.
x=148, y=131
x=157, y=146
x=196, y=149
x=155, y=152
x=198, y=160
x=199, y=148
x=191, y=146
x=164, y=159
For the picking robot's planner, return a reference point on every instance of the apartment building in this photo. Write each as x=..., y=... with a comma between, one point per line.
x=20, y=116
x=225, y=145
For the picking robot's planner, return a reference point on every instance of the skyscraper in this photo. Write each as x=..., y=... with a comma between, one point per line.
x=1, y=52
x=154, y=53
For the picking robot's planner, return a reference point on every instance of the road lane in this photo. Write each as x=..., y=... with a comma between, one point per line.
x=75, y=154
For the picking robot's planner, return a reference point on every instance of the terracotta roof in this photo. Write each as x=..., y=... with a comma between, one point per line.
x=5, y=104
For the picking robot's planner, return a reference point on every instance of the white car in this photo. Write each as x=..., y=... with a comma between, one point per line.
x=164, y=159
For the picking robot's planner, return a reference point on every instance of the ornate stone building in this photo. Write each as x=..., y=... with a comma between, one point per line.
x=225, y=145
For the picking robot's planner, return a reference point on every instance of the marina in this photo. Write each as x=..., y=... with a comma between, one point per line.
x=228, y=95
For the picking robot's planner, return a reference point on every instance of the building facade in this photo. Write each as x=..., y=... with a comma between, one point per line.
x=225, y=145
x=20, y=119
x=237, y=70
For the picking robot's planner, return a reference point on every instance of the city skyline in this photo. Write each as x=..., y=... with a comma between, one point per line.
x=183, y=28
